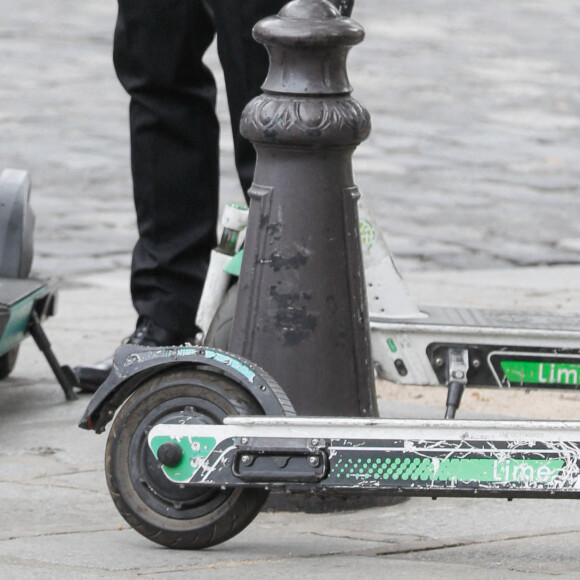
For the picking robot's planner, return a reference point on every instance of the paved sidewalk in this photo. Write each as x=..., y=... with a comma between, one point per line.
x=59, y=522
x=472, y=169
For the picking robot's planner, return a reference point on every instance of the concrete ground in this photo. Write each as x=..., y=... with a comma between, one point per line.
x=472, y=170
x=58, y=520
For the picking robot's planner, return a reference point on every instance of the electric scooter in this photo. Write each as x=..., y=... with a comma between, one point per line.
x=200, y=438
x=24, y=302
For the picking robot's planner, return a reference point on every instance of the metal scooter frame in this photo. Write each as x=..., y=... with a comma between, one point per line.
x=407, y=457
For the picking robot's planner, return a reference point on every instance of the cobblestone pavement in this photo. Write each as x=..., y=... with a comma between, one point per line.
x=472, y=162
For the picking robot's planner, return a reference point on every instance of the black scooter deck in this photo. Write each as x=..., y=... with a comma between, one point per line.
x=13, y=291
x=17, y=300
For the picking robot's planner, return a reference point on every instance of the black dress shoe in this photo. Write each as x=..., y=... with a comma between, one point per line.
x=146, y=333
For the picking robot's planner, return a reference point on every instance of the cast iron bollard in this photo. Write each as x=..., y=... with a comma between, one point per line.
x=301, y=312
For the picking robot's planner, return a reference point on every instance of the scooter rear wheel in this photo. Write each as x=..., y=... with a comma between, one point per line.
x=7, y=362
x=167, y=513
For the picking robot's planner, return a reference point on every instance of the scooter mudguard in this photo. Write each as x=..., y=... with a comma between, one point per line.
x=132, y=365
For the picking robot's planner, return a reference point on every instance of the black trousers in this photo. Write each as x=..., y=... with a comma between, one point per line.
x=158, y=51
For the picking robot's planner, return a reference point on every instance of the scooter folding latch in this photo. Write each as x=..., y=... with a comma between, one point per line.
x=276, y=460
x=457, y=367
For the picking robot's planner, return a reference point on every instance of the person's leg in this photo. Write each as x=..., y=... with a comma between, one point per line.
x=158, y=50
x=245, y=65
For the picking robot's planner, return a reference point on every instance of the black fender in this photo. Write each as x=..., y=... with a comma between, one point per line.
x=132, y=365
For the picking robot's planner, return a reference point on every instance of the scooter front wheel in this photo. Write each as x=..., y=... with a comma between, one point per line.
x=170, y=514
x=220, y=329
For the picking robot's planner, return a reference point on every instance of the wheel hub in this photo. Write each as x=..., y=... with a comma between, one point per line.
x=152, y=484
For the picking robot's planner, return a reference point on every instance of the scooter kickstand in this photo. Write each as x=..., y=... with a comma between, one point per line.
x=63, y=374
x=457, y=367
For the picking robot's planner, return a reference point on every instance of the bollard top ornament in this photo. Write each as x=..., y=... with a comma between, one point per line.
x=308, y=42
x=309, y=22
x=306, y=100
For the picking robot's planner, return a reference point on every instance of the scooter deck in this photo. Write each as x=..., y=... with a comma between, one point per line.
x=484, y=322
x=413, y=350
x=409, y=457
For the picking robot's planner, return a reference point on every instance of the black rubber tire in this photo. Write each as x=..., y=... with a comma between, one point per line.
x=220, y=329
x=7, y=362
x=167, y=513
